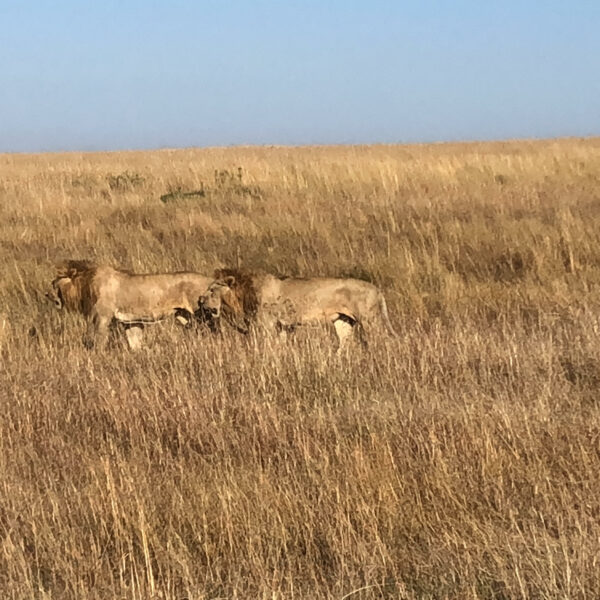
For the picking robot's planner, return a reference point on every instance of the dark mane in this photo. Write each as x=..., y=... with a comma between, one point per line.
x=73, y=268
x=243, y=288
x=78, y=295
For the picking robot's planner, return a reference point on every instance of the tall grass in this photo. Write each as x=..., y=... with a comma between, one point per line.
x=461, y=460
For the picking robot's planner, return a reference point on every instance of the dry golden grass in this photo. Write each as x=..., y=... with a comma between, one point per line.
x=461, y=460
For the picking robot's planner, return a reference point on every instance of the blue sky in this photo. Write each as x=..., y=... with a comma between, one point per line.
x=83, y=75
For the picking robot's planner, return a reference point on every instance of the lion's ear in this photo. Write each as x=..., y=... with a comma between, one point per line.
x=230, y=281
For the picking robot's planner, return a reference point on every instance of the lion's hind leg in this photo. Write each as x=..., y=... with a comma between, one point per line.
x=344, y=328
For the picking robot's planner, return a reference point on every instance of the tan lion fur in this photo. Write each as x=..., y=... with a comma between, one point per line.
x=105, y=294
x=291, y=301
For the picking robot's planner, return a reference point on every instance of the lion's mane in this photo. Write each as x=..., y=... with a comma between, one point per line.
x=243, y=288
x=78, y=295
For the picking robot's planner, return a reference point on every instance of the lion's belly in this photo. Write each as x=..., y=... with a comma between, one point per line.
x=311, y=314
x=290, y=312
x=144, y=305
x=131, y=317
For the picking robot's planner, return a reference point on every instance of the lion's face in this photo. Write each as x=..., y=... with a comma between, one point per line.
x=219, y=296
x=56, y=293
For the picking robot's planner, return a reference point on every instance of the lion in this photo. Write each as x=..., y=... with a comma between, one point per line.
x=286, y=303
x=105, y=295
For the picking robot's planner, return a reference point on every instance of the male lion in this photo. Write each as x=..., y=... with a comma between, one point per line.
x=105, y=295
x=285, y=303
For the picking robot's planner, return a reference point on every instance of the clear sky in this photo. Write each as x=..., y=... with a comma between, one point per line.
x=106, y=74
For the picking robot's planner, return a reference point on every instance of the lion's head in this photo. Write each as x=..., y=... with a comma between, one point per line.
x=233, y=295
x=59, y=292
x=71, y=288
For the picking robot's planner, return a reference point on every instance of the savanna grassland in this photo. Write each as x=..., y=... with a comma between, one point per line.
x=460, y=460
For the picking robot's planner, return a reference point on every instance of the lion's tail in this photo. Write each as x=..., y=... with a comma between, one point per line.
x=385, y=316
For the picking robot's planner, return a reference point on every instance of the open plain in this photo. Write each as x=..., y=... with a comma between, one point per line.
x=459, y=460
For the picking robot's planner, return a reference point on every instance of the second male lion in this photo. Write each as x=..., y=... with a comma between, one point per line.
x=349, y=304
x=105, y=295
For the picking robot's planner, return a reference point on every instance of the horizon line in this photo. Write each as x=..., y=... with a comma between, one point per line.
x=530, y=139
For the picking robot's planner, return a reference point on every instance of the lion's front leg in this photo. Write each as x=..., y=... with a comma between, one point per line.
x=97, y=330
